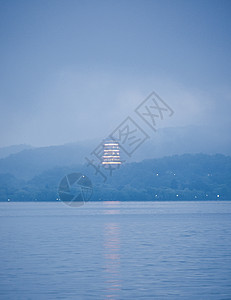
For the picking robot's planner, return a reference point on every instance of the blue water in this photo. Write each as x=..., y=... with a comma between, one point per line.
x=115, y=250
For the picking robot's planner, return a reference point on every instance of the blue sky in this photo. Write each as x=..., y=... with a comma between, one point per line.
x=72, y=70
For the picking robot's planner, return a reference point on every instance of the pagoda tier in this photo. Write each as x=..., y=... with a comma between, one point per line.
x=111, y=155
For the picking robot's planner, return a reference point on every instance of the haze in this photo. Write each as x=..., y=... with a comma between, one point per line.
x=73, y=70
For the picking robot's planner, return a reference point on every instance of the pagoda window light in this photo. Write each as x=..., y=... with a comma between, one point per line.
x=111, y=153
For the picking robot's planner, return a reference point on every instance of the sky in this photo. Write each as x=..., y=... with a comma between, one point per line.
x=73, y=70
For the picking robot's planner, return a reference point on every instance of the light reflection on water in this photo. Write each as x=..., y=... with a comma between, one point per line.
x=112, y=260
x=112, y=253
x=111, y=208
x=115, y=250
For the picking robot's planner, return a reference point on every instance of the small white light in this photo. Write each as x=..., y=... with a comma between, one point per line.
x=218, y=196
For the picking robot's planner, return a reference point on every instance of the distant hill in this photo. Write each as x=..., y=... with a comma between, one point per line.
x=30, y=162
x=6, y=151
x=180, y=140
x=181, y=177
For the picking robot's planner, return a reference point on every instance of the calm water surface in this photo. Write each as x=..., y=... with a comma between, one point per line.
x=115, y=250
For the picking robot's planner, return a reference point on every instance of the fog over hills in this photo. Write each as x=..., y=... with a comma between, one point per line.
x=30, y=162
x=175, y=178
x=6, y=151
x=180, y=140
x=165, y=142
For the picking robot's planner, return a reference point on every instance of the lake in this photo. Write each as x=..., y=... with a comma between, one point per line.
x=115, y=250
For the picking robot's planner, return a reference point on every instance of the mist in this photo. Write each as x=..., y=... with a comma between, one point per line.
x=73, y=71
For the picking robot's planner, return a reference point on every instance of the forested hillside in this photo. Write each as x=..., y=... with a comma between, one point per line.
x=184, y=177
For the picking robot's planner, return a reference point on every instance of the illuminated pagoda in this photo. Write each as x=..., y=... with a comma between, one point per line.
x=111, y=154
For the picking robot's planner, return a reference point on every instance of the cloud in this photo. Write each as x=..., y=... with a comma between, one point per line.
x=76, y=105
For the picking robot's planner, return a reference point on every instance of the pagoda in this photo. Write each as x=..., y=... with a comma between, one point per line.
x=111, y=154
